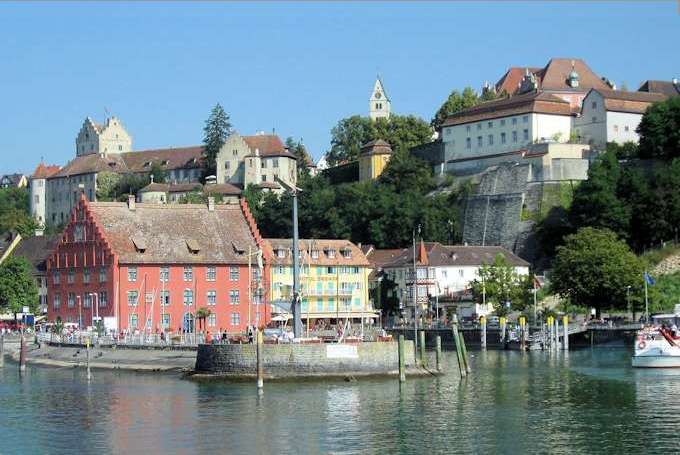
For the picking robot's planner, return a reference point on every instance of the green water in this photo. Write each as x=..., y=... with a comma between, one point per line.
x=584, y=402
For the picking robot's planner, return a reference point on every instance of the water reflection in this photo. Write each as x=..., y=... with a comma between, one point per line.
x=580, y=402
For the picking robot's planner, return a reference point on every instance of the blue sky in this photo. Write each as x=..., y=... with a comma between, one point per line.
x=294, y=67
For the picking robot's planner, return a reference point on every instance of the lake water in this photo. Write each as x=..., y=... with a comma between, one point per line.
x=583, y=402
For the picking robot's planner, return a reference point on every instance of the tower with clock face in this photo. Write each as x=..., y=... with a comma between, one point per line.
x=379, y=103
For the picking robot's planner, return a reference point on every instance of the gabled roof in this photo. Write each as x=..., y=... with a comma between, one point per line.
x=268, y=145
x=668, y=88
x=165, y=230
x=225, y=189
x=36, y=249
x=43, y=171
x=168, y=159
x=537, y=102
x=631, y=102
x=322, y=246
x=87, y=164
x=378, y=258
x=509, y=82
x=555, y=74
x=376, y=147
x=439, y=255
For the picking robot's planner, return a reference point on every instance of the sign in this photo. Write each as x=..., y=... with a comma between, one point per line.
x=341, y=351
x=25, y=310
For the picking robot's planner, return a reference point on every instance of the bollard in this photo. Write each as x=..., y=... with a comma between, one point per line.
x=87, y=357
x=260, y=371
x=2, y=350
x=438, y=352
x=22, y=354
x=421, y=340
x=465, y=354
x=459, y=351
x=482, y=323
x=502, y=322
x=522, y=333
x=402, y=366
x=565, y=324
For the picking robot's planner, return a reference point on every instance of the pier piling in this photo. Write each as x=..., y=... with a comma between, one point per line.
x=459, y=351
x=87, y=358
x=502, y=322
x=421, y=340
x=438, y=355
x=522, y=333
x=22, y=354
x=565, y=324
x=465, y=354
x=402, y=365
x=482, y=323
x=260, y=370
x=2, y=350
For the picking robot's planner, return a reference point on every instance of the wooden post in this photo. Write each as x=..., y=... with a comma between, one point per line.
x=502, y=322
x=260, y=370
x=565, y=324
x=465, y=355
x=522, y=333
x=438, y=356
x=22, y=354
x=402, y=366
x=421, y=340
x=2, y=350
x=482, y=323
x=87, y=358
x=459, y=351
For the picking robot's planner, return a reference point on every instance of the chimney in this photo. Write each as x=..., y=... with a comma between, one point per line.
x=131, y=202
x=211, y=204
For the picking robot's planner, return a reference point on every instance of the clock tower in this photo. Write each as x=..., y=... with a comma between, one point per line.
x=379, y=103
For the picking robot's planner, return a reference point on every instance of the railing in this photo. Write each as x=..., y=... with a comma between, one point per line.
x=184, y=339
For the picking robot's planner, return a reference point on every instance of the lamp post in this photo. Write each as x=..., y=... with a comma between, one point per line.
x=95, y=307
x=258, y=254
x=415, y=295
x=80, y=314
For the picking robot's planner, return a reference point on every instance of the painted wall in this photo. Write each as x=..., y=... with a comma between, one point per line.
x=38, y=188
x=112, y=138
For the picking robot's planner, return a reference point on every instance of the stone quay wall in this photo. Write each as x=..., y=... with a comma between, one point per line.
x=304, y=360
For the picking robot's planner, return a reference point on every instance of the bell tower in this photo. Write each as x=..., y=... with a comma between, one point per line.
x=379, y=103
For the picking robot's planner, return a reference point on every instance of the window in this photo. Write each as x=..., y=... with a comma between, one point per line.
x=594, y=119
x=479, y=126
x=71, y=278
x=490, y=139
x=503, y=122
x=467, y=127
x=165, y=274
x=134, y=321
x=212, y=320
x=355, y=269
x=460, y=273
x=120, y=148
x=526, y=135
x=264, y=164
x=188, y=297
x=514, y=120
x=280, y=253
x=233, y=273
x=616, y=128
x=331, y=303
x=275, y=162
x=87, y=300
x=132, y=273
x=626, y=128
x=212, y=297
x=502, y=138
x=489, y=125
x=347, y=254
x=235, y=319
x=593, y=105
x=133, y=298
x=210, y=274
x=56, y=302
x=71, y=299
x=103, y=299
x=468, y=143
x=165, y=298
x=102, y=275
x=525, y=119
x=148, y=298
x=188, y=274
x=226, y=164
x=56, y=277
x=514, y=136
x=479, y=141
x=315, y=254
x=234, y=152
x=165, y=320
x=331, y=270
x=234, y=297
x=264, y=178
x=86, y=275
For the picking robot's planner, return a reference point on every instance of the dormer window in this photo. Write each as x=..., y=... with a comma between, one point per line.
x=346, y=253
x=165, y=162
x=140, y=244
x=193, y=246
x=330, y=253
x=147, y=164
x=315, y=254
x=280, y=253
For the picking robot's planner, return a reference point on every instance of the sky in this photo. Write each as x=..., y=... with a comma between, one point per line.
x=292, y=68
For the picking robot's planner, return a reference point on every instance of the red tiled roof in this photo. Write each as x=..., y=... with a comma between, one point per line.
x=509, y=82
x=176, y=158
x=268, y=145
x=668, y=88
x=631, y=102
x=439, y=255
x=357, y=257
x=222, y=188
x=43, y=171
x=92, y=163
x=556, y=74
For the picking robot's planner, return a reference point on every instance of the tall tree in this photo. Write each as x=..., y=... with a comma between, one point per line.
x=303, y=158
x=456, y=102
x=594, y=268
x=499, y=283
x=14, y=211
x=217, y=129
x=659, y=130
x=17, y=286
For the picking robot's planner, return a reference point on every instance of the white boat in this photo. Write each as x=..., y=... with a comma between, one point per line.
x=657, y=346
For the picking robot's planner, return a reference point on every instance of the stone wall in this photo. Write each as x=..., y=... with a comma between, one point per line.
x=303, y=360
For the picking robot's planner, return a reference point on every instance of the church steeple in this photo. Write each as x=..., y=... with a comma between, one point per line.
x=379, y=103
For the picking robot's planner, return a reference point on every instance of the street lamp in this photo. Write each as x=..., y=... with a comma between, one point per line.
x=260, y=266
x=95, y=299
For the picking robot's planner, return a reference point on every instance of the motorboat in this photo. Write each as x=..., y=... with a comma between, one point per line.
x=658, y=345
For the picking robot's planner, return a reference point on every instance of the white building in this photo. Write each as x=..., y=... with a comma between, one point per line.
x=38, y=188
x=102, y=139
x=379, y=104
x=612, y=116
x=444, y=273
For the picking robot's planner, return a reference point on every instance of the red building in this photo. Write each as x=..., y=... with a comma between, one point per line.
x=152, y=266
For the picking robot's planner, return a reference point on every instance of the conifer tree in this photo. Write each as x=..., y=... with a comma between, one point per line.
x=217, y=129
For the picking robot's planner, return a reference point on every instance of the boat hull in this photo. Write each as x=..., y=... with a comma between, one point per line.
x=656, y=361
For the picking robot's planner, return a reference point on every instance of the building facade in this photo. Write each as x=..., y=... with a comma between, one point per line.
x=150, y=267
x=333, y=279
x=373, y=159
x=103, y=139
x=38, y=189
x=379, y=104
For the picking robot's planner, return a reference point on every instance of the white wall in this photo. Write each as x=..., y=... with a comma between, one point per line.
x=38, y=191
x=621, y=127
x=63, y=193
x=113, y=138
x=590, y=126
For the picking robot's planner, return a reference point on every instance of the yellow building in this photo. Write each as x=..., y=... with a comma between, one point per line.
x=374, y=157
x=333, y=279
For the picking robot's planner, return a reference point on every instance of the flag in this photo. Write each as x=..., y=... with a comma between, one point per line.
x=648, y=278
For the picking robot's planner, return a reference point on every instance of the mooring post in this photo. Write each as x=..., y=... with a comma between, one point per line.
x=22, y=353
x=260, y=370
x=502, y=323
x=459, y=351
x=548, y=331
x=557, y=334
x=522, y=333
x=421, y=340
x=402, y=365
x=438, y=355
x=465, y=354
x=565, y=324
x=482, y=323
x=2, y=350
x=87, y=357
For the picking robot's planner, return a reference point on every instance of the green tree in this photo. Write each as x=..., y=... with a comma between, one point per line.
x=499, y=283
x=193, y=197
x=107, y=185
x=594, y=268
x=385, y=297
x=201, y=315
x=456, y=102
x=217, y=129
x=17, y=286
x=659, y=130
x=15, y=213
x=160, y=175
x=303, y=158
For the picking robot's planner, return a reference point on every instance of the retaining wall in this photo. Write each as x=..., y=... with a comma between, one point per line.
x=304, y=360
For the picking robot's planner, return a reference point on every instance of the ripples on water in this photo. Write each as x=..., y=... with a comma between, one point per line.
x=585, y=402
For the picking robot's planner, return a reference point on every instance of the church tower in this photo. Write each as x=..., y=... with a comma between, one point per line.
x=379, y=104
